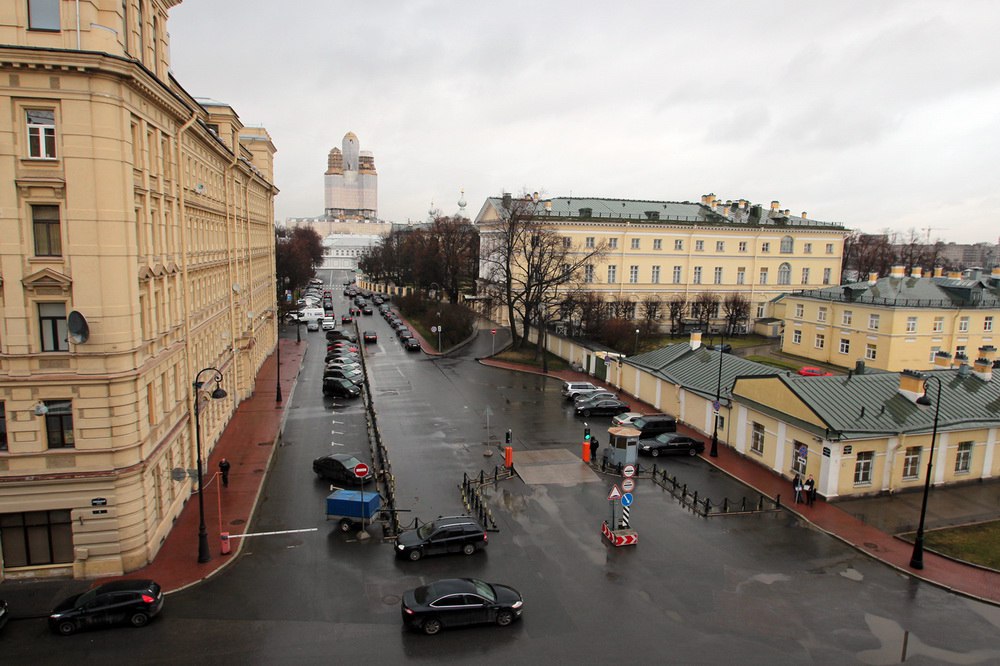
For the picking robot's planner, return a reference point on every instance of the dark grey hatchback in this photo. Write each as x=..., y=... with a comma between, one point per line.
x=131, y=602
x=455, y=602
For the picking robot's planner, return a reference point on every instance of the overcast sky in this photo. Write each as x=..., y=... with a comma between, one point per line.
x=874, y=114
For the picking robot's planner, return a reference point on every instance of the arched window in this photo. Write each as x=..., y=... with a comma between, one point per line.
x=787, y=245
x=785, y=273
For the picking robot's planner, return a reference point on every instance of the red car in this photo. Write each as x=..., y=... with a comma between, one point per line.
x=812, y=371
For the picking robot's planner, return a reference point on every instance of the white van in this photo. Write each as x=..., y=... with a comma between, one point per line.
x=311, y=313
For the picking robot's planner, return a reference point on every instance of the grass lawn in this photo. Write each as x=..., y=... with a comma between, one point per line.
x=526, y=356
x=979, y=544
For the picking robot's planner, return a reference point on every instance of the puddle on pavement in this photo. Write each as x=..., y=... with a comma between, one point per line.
x=898, y=645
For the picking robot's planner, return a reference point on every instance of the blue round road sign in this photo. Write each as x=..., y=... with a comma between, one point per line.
x=627, y=499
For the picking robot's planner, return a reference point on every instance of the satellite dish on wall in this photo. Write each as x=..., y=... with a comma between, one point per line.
x=79, y=331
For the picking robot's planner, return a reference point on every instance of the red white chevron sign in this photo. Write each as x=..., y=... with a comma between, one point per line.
x=619, y=537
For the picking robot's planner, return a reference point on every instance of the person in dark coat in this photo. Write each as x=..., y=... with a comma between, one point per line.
x=593, y=448
x=797, y=487
x=224, y=471
x=809, y=488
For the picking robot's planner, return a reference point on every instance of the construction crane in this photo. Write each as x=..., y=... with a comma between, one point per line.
x=930, y=229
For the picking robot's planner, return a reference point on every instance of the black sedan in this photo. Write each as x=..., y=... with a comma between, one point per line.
x=605, y=406
x=371, y=337
x=411, y=344
x=131, y=602
x=340, y=467
x=671, y=443
x=456, y=602
x=340, y=388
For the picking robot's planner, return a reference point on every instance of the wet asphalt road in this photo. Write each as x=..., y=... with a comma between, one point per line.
x=763, y=589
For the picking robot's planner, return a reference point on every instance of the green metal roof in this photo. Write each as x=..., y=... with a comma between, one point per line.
x=913, y=292
x=859, y=406
x=698, y=369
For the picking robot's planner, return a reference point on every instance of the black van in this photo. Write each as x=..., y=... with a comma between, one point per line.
x=652, y=425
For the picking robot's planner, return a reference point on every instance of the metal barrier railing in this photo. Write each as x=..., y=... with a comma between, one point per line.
x=472, y=493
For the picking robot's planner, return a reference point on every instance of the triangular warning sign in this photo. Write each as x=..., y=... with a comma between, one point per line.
x=615, y=493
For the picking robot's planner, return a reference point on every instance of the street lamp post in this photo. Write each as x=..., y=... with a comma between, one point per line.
x=203, y=554
x=635, y=349
x=917, y=559
x=439, y=332
x=277, y=372
x=717, y=405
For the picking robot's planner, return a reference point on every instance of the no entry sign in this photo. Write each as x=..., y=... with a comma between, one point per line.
x=361, y=470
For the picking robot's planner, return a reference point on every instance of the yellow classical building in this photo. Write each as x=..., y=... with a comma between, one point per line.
x=864, y=433
x=896, y=322
x=662, y=249
x=138, y=249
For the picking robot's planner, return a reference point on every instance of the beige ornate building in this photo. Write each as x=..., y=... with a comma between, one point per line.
x=659, y=249
x=138, y=249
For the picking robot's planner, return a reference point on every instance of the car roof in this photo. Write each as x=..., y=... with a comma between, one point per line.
x=126, y=585
x=450, y=586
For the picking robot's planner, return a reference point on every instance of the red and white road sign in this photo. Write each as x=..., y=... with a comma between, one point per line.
x=361, y=470
x=630, y=538
x=493, y=331
x=616, y=493
x=628, y=485
x=628, y=471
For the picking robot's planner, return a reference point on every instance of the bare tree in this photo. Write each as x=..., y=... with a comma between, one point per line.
x=457, y=252
x=677, y=306
x=703, y=308
x=528, y=262
x=652, y=311
x=593, y=314
x=868, y=253
x=736, y=309
x=621, y=309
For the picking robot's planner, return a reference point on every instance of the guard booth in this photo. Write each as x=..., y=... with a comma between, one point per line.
x=623, y=446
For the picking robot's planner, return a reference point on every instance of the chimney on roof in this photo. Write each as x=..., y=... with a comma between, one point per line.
x=548, y=206
x=912, y=384
x=786, y=212
x=927, y=273
x=506, y=200
x=960, y=360
x=774, y=206
x=964, y=370
x=995, y=276
x=983, y=368
x=715, y=204
x=711, y=199
x=872, y=278
x=804, y=216
x=954, y=275
x=942, y=359
x=989, y=352
x=695, y=340
x=859, y=367
x=725, y=210
x=897, y=271
x=938, y=271
x=743, y=204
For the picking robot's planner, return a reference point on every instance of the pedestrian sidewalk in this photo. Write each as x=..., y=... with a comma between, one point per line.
x=248, y=443
x=966, y=579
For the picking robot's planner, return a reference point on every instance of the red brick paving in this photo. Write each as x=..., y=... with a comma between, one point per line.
x=248, y=443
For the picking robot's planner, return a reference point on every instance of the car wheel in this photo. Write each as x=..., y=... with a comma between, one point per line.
x=504, y=618
x=66, y=627
x=692, y=451
x=586, y=412
x=431, y=626
x=346, y=524
x=415, y=555
x=139, y=620
x=655, y=453
x=468, y=549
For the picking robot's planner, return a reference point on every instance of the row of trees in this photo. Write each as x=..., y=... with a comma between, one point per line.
x=877, y=253
x=445, y=253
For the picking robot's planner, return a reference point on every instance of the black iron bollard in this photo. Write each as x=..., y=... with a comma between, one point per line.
x=725, y=505
x=481, y=477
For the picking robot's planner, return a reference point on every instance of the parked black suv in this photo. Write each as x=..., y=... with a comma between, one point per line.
x=651, y=425
x=447, y=534
x=131, y=602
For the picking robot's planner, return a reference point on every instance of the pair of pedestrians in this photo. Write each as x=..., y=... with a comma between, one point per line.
x=805, y=491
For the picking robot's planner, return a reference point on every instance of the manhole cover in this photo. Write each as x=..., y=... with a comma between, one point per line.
x=871, y=546
x=238, y=521
x=390, y=600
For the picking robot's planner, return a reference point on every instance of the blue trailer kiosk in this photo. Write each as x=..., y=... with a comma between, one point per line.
x=352, y=506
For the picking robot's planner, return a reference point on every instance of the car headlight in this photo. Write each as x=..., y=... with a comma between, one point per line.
x=517, y=604
x=399, y=546
x=645, y=448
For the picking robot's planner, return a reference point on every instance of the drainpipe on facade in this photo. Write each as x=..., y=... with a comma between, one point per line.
x=182, y=221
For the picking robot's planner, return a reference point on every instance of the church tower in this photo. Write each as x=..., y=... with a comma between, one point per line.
x=351, y=183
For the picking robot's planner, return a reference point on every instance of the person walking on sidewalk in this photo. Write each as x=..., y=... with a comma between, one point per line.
x=809, y=487
x=797, y=487
x=224, y=471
